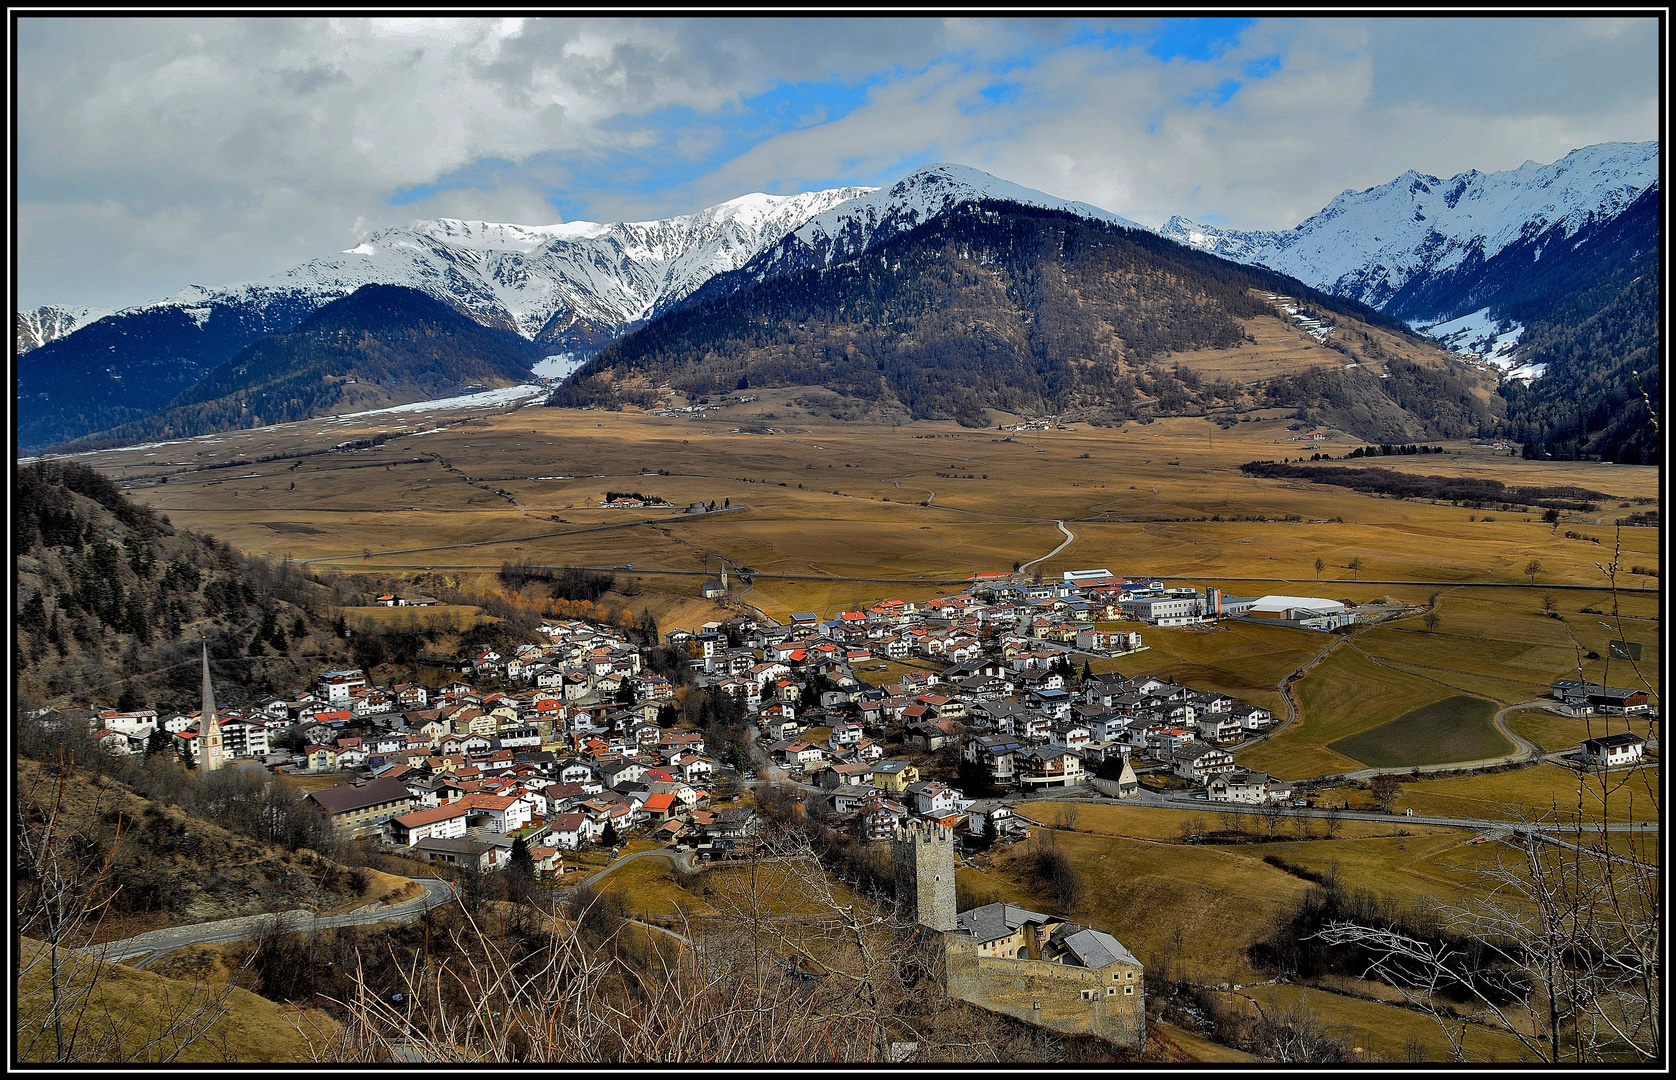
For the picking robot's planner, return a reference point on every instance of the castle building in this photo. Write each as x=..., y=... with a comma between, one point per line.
x=1043, y=969
x=923, y=853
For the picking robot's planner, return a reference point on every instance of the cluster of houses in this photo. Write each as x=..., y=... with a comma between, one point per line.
x=1575, y=697
x=696, y=409
x=392, y=600
x=1009, y=706
x=629, y=502
x=569, y=740
x=568, y=750
x=1315, y=328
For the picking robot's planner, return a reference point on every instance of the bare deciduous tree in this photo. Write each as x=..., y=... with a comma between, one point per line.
x=1564, y=953
x=1573, y=925
x=784, y=969
x=1385, y=792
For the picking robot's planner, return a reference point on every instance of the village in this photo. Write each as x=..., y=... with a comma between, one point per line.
x=585, y=738
x=575, y=739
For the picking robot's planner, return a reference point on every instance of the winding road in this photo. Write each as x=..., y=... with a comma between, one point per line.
x=930, y=495
x=143, y=949
x=1070, y=537
x=1523, y=750
x=156, y=943
x=682, y=861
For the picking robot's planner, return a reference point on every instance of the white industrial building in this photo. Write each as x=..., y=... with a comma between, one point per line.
x=1304, y=612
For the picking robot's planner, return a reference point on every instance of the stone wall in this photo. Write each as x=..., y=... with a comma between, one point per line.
x=1052, y=995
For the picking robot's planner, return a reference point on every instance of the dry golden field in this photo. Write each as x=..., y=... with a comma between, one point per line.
x=1554, y=732
x=911, y=510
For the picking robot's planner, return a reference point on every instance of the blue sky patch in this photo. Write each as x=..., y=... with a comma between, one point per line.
x=672, y=146
x=1196, y=39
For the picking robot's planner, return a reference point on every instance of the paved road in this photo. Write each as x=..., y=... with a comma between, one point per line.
x=1159, y=800
x=1024, y=568
x=156, y=943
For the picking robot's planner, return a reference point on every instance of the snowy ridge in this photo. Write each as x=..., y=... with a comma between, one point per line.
x=35, y=328
x=851, y=227
x=528, y=278
x=924, y=194
x=1367, y=245
x=575, y=285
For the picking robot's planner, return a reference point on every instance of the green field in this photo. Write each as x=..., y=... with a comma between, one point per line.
x=1457, y=728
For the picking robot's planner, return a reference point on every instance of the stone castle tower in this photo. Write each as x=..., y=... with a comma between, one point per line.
x=923, y=854
x=209, y=750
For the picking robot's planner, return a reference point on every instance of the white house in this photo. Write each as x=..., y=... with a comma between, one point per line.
x=443, y=822
x=503, y=814
x=1244, y=786
x=337, y=686
x=933, y=799
x=1620, y=749
x=571, y=831
x=844, y=735
x=1199, y=763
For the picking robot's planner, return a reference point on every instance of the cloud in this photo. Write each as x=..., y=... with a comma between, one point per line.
x=155, y=152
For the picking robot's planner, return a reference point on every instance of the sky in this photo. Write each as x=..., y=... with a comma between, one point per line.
x=152, y=154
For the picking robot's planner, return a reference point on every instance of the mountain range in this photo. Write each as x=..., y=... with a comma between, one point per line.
x=1451, y=257
x=1431, y=251
x=1033, y=310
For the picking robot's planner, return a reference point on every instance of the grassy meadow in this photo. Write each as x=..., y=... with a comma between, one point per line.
x=1454, y=729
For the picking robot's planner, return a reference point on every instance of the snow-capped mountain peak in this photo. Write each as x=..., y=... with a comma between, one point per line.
x=1367, y=244
x=927, y=192
x=36, y=327
x=603, y=277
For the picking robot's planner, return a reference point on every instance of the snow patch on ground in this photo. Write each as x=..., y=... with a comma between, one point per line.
x=506, y=395
x=557, y=367
x=1485, y=337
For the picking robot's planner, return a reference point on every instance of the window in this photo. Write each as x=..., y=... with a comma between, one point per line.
x=1110, y=990
x=1128, y=989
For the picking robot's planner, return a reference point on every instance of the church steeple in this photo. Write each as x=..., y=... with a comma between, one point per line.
x=209, y=730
